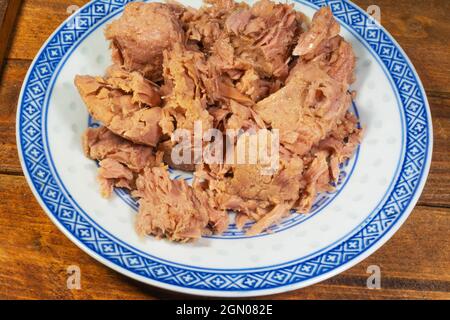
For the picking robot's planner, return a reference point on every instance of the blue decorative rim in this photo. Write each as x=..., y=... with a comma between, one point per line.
x=362, y=241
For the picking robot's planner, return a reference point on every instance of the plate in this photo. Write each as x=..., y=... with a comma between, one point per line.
x=377, y=190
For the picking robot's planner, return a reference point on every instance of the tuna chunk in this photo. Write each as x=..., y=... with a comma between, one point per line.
x=186, y=102
x=323, y=43
x=172, y=209
x=143, y=91
x=253, y=190
x=323, y=161
x=264, y=36
x=323, y=28
x=119, y=159
x=306, y=109
x=342, y=142
x=268, y=198
x=205, y=25
x=342, y=63
x=113, y=174
x=250, y=43
x=256, y=87
x=166, y=148
x=123, y=103
x=139, y=37
x=248, y=182
x=274, y=215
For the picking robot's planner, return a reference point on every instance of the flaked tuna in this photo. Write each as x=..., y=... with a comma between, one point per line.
x=229, y=66
x=119, y=159
x=306, y=109
x=139, y=37
x=125, y=103
x=172, y=209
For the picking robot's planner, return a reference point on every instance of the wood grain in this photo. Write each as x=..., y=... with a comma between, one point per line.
x=3, y=6
x=10, y=84
x=421, y=28
x=415, y=263
x=8, y=12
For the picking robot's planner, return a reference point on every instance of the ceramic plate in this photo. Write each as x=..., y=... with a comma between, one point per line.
x=377, y=188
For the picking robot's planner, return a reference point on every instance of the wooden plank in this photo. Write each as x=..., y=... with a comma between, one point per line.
x=34, y=257
x=10, y=85
x=3, y=5
x=8, y=12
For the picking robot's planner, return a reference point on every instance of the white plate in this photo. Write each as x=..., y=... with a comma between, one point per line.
x=378, y=187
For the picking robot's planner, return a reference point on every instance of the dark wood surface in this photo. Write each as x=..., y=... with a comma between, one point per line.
x=415, y=263
x=8, y=12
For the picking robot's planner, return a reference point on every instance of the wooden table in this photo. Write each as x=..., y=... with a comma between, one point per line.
x=415, y=263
